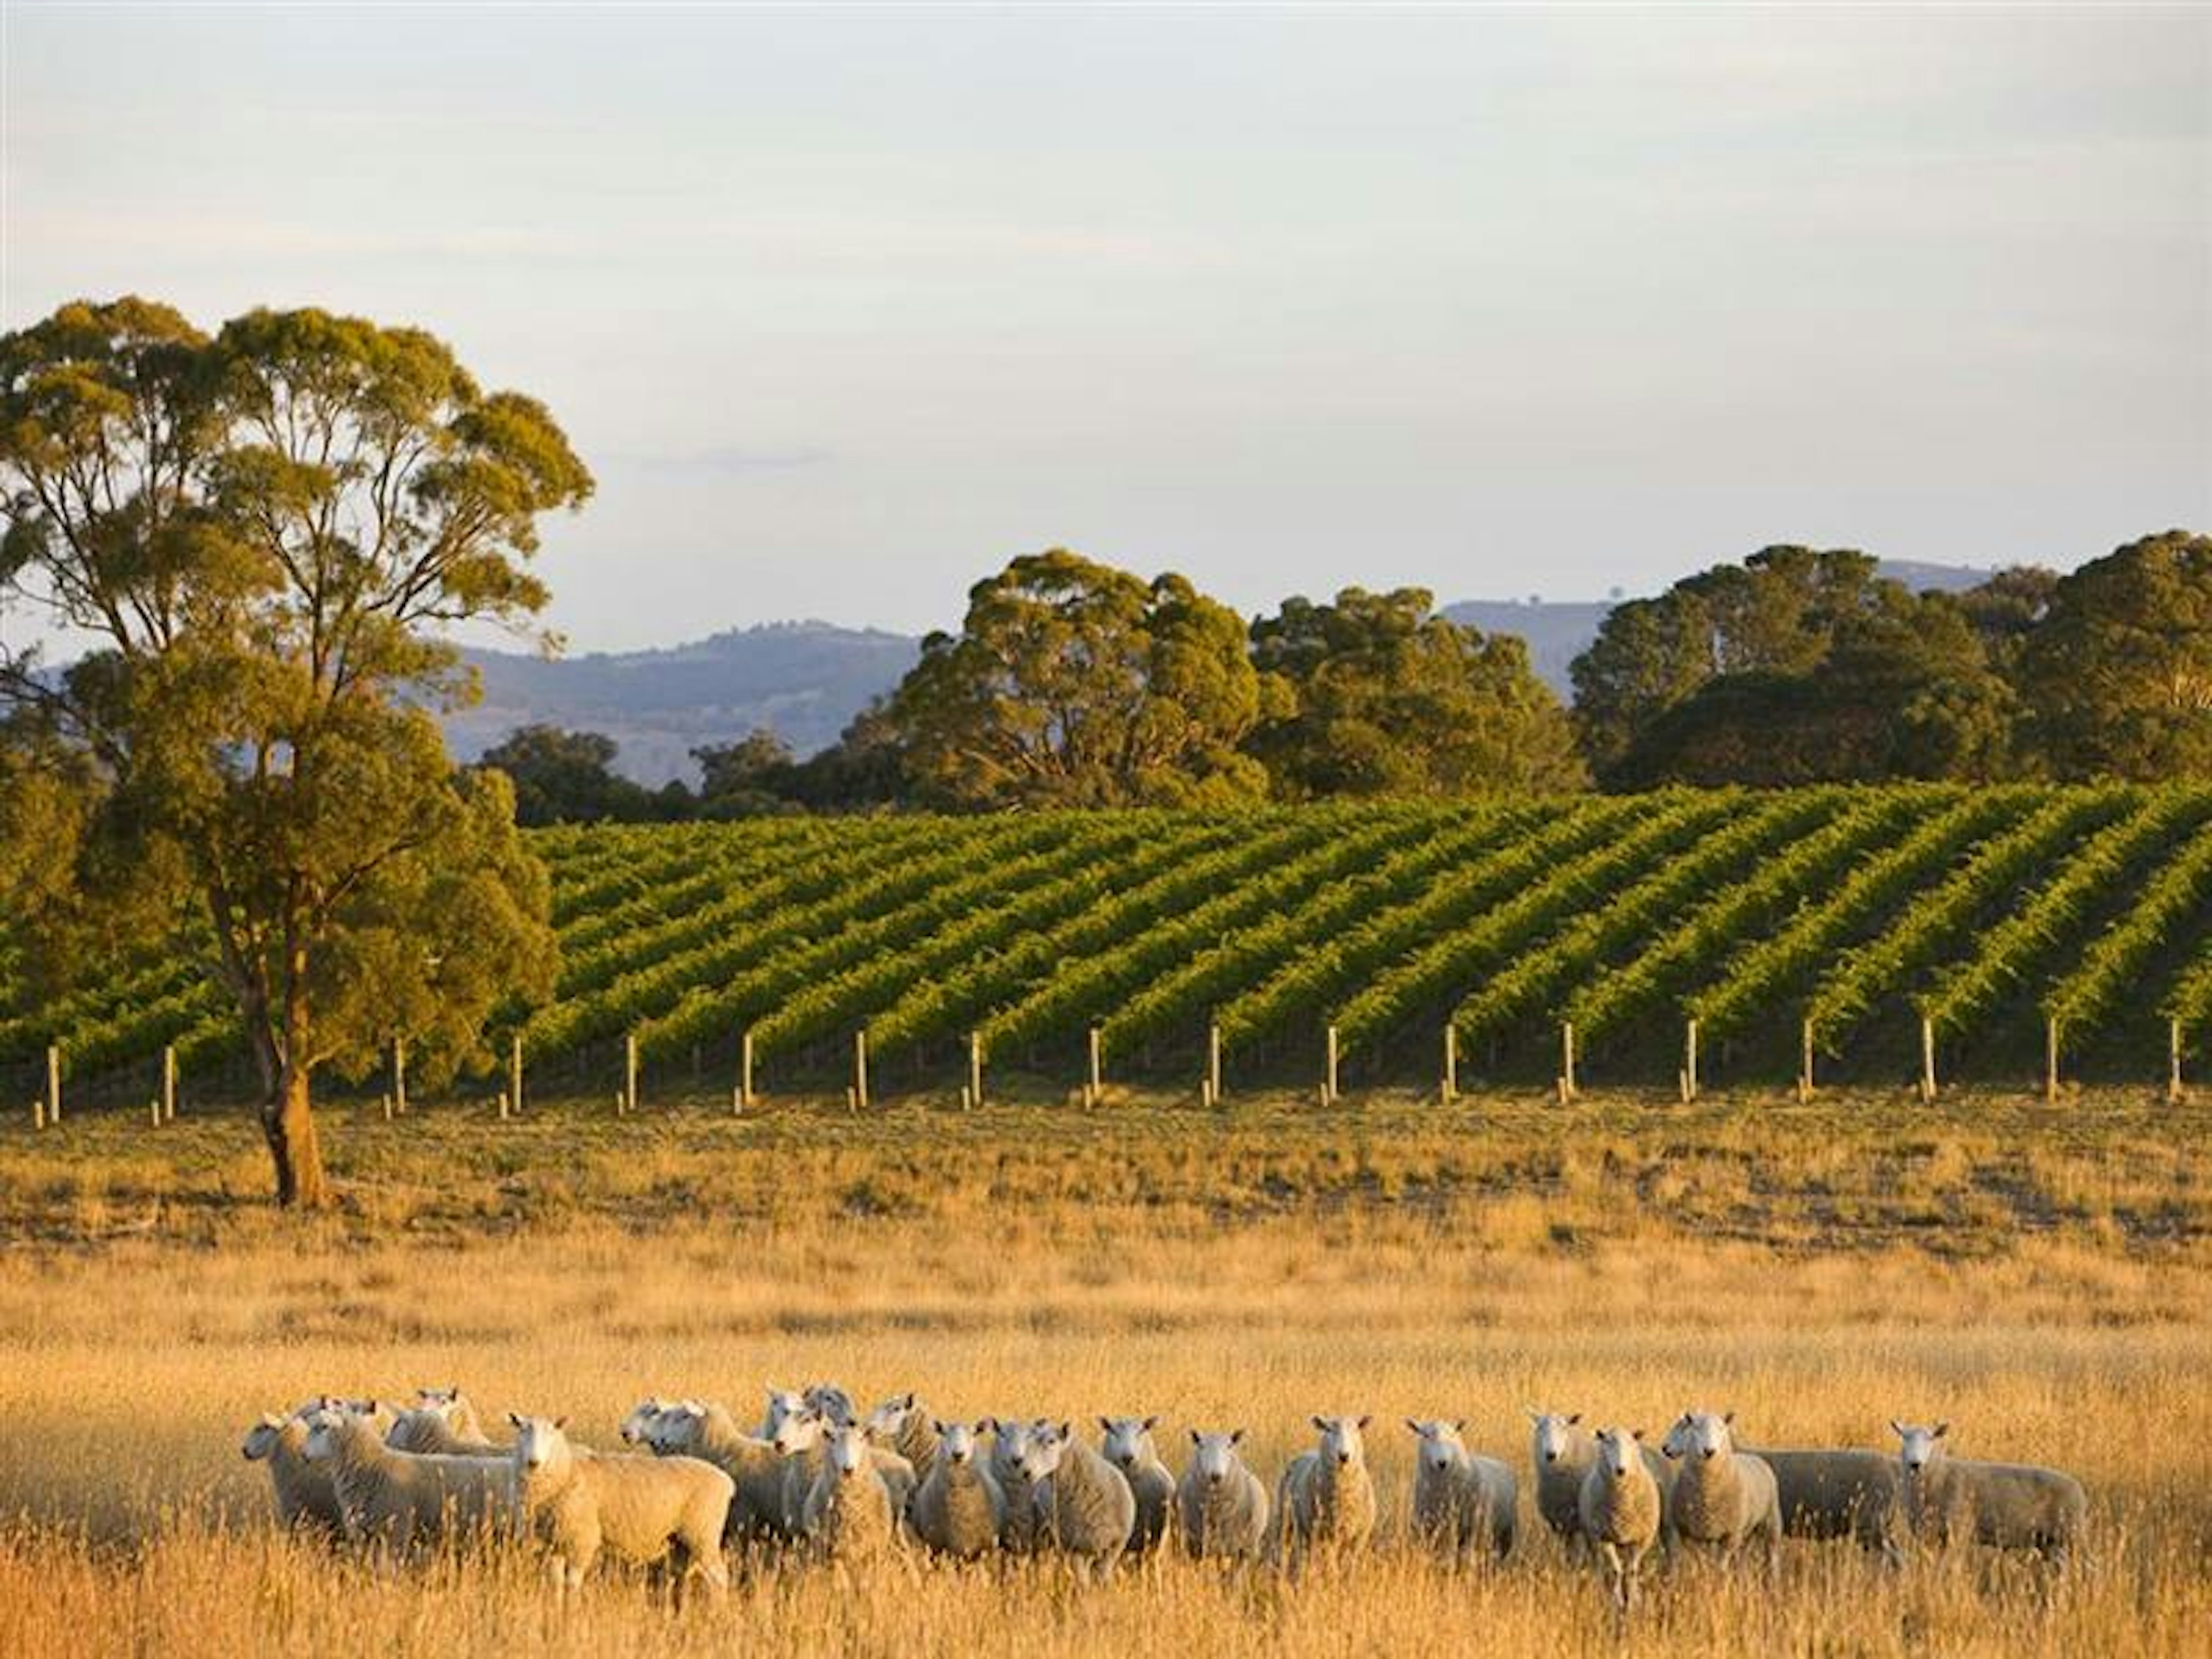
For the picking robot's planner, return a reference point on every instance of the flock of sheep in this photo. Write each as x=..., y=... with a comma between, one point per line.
x=817, y=1476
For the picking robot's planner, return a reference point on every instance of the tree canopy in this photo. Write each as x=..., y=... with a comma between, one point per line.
x=1380, y=696
x=264, y=531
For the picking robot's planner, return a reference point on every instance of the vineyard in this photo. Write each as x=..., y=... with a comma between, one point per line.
x=1883, y=934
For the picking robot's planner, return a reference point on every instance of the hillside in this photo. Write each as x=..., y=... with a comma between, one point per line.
x=804, y=680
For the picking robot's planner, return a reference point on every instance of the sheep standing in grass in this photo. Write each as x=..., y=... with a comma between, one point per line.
x=638, y=1427
x=958, y=1510
x=1010, y=1440
x=1721, y=1498
x=802, y=1441
x=644, y=1510
x=1221, y=1505
x=2011, y=1506
x=903, y=1424
x=1084, y=1508
x=850, y=1514
x=305, y=1496
x=1839, y=1494
x=1128, y=1447
x=701, y=1429
x=1618, y=1510
x=1325, y=1501
x=459, y=1414
x=397, y=1497
x=1463, y=1504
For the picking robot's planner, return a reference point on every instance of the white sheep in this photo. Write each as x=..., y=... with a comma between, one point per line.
x=704, y=1430
x=801, y=1440
x=1463, y=1503
x=1618, y=1510
x=1721, y=1498
x=641, y=1510
x=903, y=1424
x=638, y=1427
x=1325, y=1501
x=783, y=1404
x=460, y=1415
x=834, y=1406
x=1010, y=1439
x=1128, y=1447
x=2015, y=1506
x=850, y=1514
x=442, y=1420
x=397, y=1498
x=1560, y=1453
x=1221, y=1505
x=304, y=1495
x=1083, y=1506
x=958, y=1510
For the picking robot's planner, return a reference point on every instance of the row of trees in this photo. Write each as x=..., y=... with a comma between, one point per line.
x=1072, y=684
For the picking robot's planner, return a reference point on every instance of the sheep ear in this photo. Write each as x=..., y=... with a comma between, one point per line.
x=1236, y=1437
x=1728, y=1417
x=514, y=1420
x=1320, y=1423
x=987, y=1425
x=1364, y=1420
x=1573, y=1418
x=1942, y=1428
x=561, y=1422
x=1067, y=1432
x=1194, y=1436
x=907, y=1404
x=1635, y=1434
x=1458, y=1425
x=1106, y=1425
x=1412, y=1425
x=1152, y=1423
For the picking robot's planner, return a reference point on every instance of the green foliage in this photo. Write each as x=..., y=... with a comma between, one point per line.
x=1384, y=697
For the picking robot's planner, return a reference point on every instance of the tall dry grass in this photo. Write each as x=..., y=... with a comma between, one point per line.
x=1219, y=1273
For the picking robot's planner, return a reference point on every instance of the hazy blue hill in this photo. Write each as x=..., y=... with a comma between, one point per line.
x=804, y=680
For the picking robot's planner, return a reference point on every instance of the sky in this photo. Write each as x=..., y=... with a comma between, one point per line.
x=846, y=307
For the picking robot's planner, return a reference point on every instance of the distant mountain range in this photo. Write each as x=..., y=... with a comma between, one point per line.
x=804, y=680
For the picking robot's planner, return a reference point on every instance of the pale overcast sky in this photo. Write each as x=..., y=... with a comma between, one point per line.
x=845, y=308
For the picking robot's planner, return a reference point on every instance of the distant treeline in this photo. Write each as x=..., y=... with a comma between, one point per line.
x=1072, y=683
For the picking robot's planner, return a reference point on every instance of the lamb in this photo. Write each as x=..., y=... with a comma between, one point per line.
x=2015, y=1506
x=1325, y=1499
x=641, y=1510
x=850, y=1514
x=442, y=1420
x=397, y=1498
x=903, y=1424
x=1721, y=1497
x=1010, y=1439
x=958, y=1510
x=1462, y=1504
x=1221, y=1505
x=1128, y=1447
x=1839, y=1494
x=1619, y=1509
x=701, y=1429
x=1084, y=1505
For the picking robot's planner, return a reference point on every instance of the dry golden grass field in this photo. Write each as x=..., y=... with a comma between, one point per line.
x=2040, y=1276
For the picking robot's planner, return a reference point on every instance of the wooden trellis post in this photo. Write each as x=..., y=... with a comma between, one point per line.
x=2173, y=1090
x=630, y=1072
x=1328, y=1083
x=1927, y=1058
x=1805, y=1062
x=168, y=1083
x=54, y=1083
x=860, y=1069
x=1451, y=1062
x=1689, y=1061
x=1213, y=1063
x=975, y=1068
x=399, y=1075
x=1566, y=1061
x=1098, y=1071
x=745, y=1069
x=514, y=1071
x=2051, y=1059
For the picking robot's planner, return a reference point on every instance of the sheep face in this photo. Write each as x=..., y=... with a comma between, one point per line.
x=783, y=1404
x=802, y=1432
x=1128, y=1440
x=1214, y=1455
x=1554, y=1435
x=1919, y=1446
x=1619, y=1450
x=1041, y=1453
x=446, y=1400
x=1013, y=1438
x=325, y=1429
x=1441, y=1446
x=1343, y=1440
x=643, y=1418
x=678, y=1427
x=261, y=1439
x=847, y=1450
x=1700, y=1436
x=956, y=1441
x=830, y=1402
x=540, y=1444
x=888, y=1420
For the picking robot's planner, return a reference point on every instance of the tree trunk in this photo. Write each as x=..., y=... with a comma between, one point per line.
x=288, y=1124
